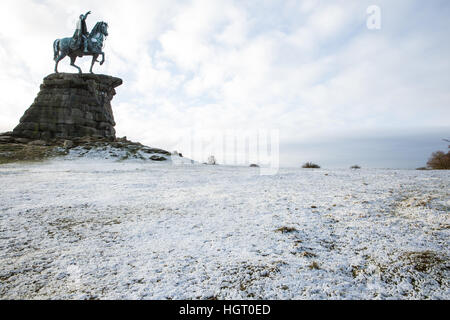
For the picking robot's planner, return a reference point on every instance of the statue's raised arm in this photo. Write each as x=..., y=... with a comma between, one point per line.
x=86, y=15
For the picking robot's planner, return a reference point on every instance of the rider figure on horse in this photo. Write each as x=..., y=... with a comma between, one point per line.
x=82, y=44
x=81, y=34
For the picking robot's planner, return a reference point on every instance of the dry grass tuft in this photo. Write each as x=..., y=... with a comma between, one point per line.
x=314, y=266
x=286, y=230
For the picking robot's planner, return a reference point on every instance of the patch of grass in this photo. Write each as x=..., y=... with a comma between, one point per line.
x=286, y=230
x=243, y=278
x=307, y=254
x=10, y=153
x=423, y=261
x=415, y=201
x=356, y=270
x=422, y=267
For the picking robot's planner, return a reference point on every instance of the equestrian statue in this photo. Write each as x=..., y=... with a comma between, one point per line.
x=82, y=44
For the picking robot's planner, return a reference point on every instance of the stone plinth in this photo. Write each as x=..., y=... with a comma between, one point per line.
x=71, y=105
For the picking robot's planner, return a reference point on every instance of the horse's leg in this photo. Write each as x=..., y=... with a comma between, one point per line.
x=103, y=58
x=62, y=56
x=94, y=60
x=72, y=63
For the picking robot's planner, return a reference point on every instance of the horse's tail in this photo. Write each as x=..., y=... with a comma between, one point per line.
x=56, y=49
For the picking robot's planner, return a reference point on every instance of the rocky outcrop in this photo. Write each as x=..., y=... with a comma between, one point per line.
x=13, y=149
x=70, y=106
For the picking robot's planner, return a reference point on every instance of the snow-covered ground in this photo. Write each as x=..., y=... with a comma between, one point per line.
x=96, y=229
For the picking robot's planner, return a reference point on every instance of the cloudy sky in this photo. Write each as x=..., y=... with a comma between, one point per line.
x=337, y=92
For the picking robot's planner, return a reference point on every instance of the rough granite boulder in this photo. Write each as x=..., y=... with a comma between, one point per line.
x=69, y=106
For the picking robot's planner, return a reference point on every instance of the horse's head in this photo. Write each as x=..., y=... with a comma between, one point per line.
x=104, y=28
x=100, y=27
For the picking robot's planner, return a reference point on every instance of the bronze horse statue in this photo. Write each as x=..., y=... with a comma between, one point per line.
x=73, y=48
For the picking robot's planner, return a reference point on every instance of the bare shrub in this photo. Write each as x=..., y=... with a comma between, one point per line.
x=310, y=165
x=439, y=161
